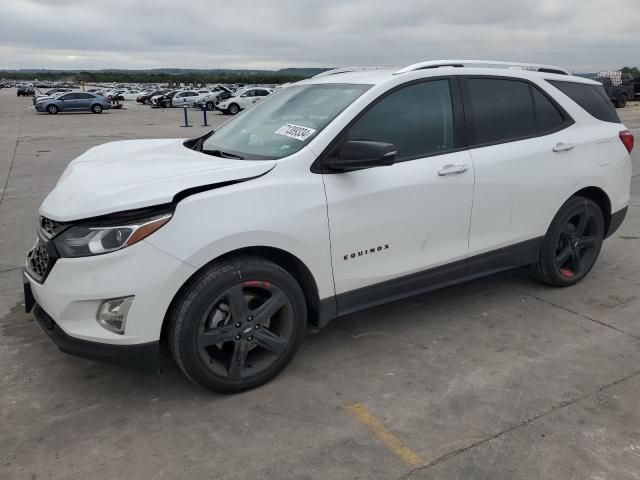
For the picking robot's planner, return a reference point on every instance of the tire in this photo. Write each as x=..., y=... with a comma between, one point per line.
x=206, y=310
x=146, y=101
x=572, y=244
x=210, y=106
x=52, y=109
x=97, y=108
x=233, y=109
x=621, y=102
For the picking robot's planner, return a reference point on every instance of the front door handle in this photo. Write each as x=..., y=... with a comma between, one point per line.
x=451, y=169
x=563, y=147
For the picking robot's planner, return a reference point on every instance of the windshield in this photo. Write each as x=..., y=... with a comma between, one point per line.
x=283, y=122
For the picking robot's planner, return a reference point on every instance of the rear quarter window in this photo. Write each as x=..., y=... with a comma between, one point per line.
x=591, y=98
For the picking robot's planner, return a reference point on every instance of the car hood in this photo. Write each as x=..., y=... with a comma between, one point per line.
x=131, y=174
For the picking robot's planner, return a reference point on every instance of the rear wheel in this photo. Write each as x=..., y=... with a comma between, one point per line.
x=147, y=101
x=52, y=109
x=210, y=106
x=572, y=244
x=97, y=108
x=237, y=324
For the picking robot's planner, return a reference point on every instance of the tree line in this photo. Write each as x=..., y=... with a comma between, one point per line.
x=150, y=77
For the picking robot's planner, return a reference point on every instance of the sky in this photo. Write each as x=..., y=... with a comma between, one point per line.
x=581, y=35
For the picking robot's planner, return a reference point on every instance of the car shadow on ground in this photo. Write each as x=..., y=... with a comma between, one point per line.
x=40, y=360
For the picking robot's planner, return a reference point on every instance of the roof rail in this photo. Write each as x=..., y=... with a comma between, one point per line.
x=483, y=63
x=335, y=71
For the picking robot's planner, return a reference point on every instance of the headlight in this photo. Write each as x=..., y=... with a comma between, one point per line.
x=85, y=240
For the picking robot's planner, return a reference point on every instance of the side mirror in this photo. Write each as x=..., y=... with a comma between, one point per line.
x=361, y=154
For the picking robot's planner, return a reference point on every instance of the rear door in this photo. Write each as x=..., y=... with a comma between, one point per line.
x=394, y=221
x=525, y=150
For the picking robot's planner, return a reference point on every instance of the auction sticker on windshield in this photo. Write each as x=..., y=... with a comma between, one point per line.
x=295, y=131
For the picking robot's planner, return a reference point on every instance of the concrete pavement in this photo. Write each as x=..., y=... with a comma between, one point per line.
x=500, y=378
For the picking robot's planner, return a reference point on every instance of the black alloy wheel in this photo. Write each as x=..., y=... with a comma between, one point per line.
x=237, y=324
x=247, y=328
x=577, y=242
x=572, y=244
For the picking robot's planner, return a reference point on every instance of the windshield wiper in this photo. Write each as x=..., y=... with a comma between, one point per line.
x=221, y=154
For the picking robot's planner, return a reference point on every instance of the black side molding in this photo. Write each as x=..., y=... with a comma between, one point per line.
x=513, y=256
x=616, y=220
x=144, y=357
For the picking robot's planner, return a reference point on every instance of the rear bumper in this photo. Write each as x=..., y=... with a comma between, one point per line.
x=616, y=220
x=143, y=357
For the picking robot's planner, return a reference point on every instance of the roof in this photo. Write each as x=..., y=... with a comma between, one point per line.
x=378, y=75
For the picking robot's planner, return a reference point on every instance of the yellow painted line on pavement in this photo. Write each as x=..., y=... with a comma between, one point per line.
x=363, y=415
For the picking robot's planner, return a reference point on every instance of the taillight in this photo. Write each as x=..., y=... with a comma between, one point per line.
x=627, y=138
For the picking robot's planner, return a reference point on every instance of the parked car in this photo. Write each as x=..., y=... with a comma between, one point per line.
x=332, y=195
x=179, y=98
x=209, y=101
x=146, y=97
x=74, y=102
x=160, y=99
x=246, y=98
x=25, y=90
x=618, y=86
x=131, y=94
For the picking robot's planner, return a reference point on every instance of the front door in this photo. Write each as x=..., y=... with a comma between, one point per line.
x=394, y=221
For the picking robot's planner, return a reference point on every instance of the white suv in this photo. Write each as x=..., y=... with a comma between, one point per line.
x=241, y=100
x=334, y=194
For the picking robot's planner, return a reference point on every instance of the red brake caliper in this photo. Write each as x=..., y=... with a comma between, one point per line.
x=565, y=272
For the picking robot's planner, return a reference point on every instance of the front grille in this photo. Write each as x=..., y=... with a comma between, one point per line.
x=38, y=261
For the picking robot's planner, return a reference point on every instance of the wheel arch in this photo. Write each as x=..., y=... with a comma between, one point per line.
x=601, y=198
x=286, y=260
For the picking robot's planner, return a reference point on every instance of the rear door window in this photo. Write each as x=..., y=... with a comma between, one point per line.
x=548, y=117
x=591, y=98
x=502, y=110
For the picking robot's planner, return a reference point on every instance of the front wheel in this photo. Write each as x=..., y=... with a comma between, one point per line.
x=237, y=324
x=97, y=108
x=52, y=109
x=572, y=244
x=233, y=109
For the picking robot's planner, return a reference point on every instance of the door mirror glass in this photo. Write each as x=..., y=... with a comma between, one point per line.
x=361, y=154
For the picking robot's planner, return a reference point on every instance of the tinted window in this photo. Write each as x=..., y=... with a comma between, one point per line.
x=547, y=115
x=590, y=97
x=417, y=119
x=262, y=93
x=84, y=96
x=68, y=96
x=502, y=110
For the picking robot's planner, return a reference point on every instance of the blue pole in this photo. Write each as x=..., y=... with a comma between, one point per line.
x=204, y=111
x=186, y=118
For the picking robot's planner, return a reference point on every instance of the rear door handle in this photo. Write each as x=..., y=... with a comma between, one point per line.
x=563, y=147
x=451, y=169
